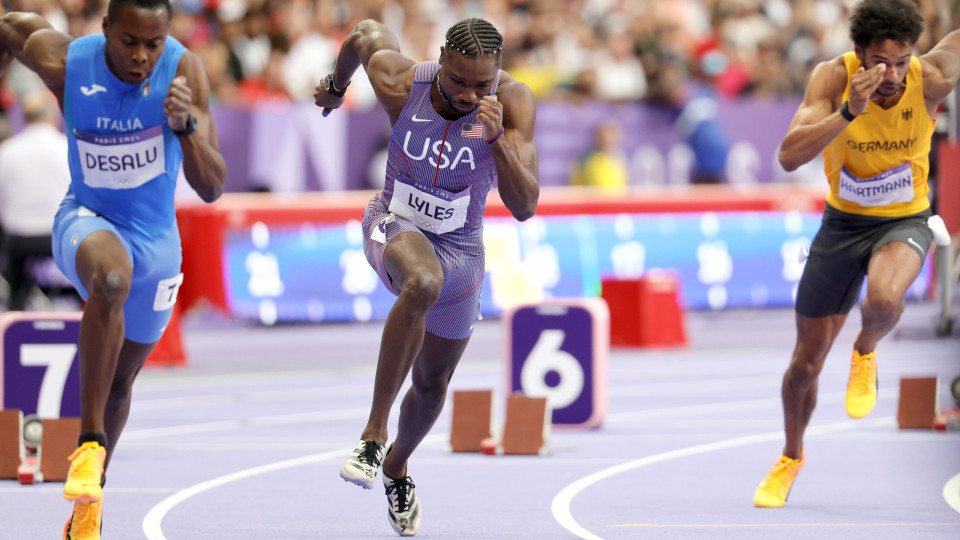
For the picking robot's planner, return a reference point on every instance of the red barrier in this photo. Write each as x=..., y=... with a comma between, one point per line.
x=645, y=312
x=948, y=185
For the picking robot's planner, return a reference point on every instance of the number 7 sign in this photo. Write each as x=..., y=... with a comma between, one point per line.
x=40, y=371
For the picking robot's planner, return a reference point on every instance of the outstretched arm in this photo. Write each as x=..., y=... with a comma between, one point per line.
x=818, y=119
x=30, y=39
x=514, y=151
x=942, y=71
x=374, y=46
x=189, y=93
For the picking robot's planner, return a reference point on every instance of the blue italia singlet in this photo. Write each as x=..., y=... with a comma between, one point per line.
x=124, y=159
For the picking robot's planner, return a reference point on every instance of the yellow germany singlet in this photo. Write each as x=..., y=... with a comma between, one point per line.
x=878, y=165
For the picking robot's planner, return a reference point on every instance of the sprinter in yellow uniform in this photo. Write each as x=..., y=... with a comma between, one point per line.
x=870, y=112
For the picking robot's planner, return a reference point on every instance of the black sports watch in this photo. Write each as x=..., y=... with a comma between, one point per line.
x=191, y=127
x=332, y=88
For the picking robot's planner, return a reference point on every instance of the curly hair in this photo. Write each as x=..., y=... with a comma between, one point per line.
x=879, y=20
x=474, y=37
x=113, y=8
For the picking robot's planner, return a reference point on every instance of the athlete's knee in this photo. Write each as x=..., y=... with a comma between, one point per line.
x=882, y=304
x=432, y=391
x=119, y=397
x=120, y=392
x=110, y=284
x=422, y=288
x=807, y=363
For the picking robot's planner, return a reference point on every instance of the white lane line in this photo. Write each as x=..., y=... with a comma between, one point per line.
x=59, y=489
x=152, y=521
x=561, y=503
x=255, y=421
x=951, y=492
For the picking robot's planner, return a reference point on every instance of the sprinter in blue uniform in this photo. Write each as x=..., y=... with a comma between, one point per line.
x=135, y=102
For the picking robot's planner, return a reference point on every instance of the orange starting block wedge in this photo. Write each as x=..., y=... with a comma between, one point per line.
x=472, y=419
x=527, y=428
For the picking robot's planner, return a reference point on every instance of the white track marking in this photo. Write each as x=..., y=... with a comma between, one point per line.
x=951, y=492
x=561, y=503
x=152, y=521
x=255, y=421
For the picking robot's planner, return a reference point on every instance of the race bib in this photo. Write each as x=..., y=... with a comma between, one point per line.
x=167, y=293
x=432, y=209
x=891, y=186
x=123, y=161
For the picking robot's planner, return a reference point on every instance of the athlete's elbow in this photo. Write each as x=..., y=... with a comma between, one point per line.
x=525, y=211
x=210, y=192
x=210, y=195
x=788, y=163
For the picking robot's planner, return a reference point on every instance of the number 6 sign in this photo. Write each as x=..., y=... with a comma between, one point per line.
x=558, y=349
x=39, y=369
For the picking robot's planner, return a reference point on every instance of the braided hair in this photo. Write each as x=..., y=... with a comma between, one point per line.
x=474, y=37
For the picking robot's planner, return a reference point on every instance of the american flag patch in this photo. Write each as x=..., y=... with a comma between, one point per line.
x=471, y=130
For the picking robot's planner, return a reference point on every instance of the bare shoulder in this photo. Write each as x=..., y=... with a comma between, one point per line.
x=191, y=67
x=941, y=71
x=829, y=78
x=517, y=99
x=391, y=76
x=391, y=70
x=45, y=52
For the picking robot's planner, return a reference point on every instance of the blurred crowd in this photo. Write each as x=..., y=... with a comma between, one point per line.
x=259, y=51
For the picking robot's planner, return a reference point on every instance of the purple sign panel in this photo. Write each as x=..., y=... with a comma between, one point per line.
x=41, y=372
x=552, y=349
x=289, y=148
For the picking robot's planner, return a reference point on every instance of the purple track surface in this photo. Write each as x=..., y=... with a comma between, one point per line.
x=246, y=441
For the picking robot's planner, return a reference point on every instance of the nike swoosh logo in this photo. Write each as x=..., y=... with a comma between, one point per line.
x=92, y=90
x=415, y=119
x=911, y=240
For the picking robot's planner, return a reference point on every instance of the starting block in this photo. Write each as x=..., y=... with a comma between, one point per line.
x=11, y=443
x=645, y=312
x=947, y=420
x=59, y=441
x=472, y=420
x=527, y=428
x=918, y=408
x=34, y=450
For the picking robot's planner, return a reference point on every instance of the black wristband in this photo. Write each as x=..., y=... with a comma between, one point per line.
x=845, y=112
x=330, y=87
x=190, y=128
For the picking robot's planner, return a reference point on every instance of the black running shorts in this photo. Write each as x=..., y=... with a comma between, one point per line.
x=840, y=255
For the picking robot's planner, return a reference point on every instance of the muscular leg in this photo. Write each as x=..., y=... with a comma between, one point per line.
x=132, y=357
x=417, y=279
x=424, y=400
x=105, y=270
x=892, y=269
x=815, y=336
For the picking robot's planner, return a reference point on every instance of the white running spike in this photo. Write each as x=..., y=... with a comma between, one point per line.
x=939, y=230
